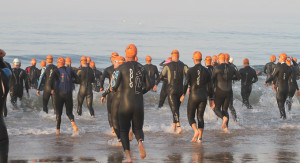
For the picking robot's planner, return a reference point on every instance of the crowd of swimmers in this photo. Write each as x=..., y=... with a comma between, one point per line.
x=129, y=81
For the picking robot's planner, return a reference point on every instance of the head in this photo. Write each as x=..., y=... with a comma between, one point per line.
x=273, y=58
x=227, y=56
x=68, y=62
x=88, y=59
x=230, y=60
x=282, y=58
x=118, y=61
x=16, y=63
x=60, y=62
x=92, y=65
x=175, y=55
x=49, y=59
x=83, y=61
x=131, y=52
x=197, y=57
x=33, y=62
x=221, y=58
x=113, y=55
x=246, y=62
x=295, y=59
x=2, y=53
x=207, y=61
x=148, y=59
x=43, y=64
x=288, y=62
x=214, y=58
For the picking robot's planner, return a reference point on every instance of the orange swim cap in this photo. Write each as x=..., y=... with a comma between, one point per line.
x=148, y=58
x=136, y=58
x=88, y=59
x=113, y=55
x=60, y=62
x=227, y=56
x=175, y=53
x=92, y=64
x=295, y=59
x=208, y=60
x=49, y=59
x=43, y=63
x=197, y=55
x=246, y=60
x=273, y=58
x=68, y=60
x=2, y=53
x=83, y=60
x=288, y=62
x=214, y=58
x=283, y=56
x=221, y=57
x=131, y=51
x=33, y=62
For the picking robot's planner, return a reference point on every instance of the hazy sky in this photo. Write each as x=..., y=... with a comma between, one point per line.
x=213, y=8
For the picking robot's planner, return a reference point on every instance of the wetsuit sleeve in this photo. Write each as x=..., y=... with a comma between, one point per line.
x=92, y=75
x=116, y=80
x=210, y=88
x=156, y=73
x=255, y=79
x=105, y=75
x=41, y=78
x=75, y=77
x=187, y=82
x=162, y=74
x=106, y=92
x=25, y=77
x=273, y=75
x=265, y=68
x=55, y=75
x=162, y=63
x=237, y=75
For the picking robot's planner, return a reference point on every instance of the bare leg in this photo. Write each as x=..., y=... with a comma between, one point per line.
x=196, y=133
x=174, y=127
x=113, y=132
x=142, y=150
x=75, y=128
x=57, y=132
x=224, y=125
x=130, y=135
x=128, y=157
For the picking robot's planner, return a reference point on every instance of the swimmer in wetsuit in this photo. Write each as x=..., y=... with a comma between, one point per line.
x=42, y=70
x=16, y=82
x=4, y=107
x=214, y=61
x=65, y=76
x=33, y=74
x=174, y=71
x=208, y=65
x=199, y=80
x=132, y=80
x=164, y=88
x=107, y=73
x=222, y=77
x=281, y=74
x=293, y=85
x=5, y=74
x=248, y=77
x=47, y=77
x=151, y=70
x=86, y=78
x=269, y=68
x=97, y=74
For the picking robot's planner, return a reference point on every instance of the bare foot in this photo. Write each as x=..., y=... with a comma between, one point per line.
x=130, y=135
x=113, y=133
x=57, y=132
x=199, y=140
x=196, y=134
x=224, y=125
x=126, y=161
x=92, y=116
x=142, y=150
x=174, y=127
x=179, y=130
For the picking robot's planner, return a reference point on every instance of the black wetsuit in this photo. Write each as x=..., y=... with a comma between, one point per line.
x=268, y=69
x=216, y=64
x=33, y=76
x=231, y=108
x=210, y=69
x=175, y=72
x=248, y=77
x=223, y=75
x=164, y=89
x=293, y=85
x=5, y=74
x=47, y=76
x=132, y=80
x=65, y=76
x=107, y=73
x=152, y=72
x=281, y=74
x=4, y=106
x=96, y=84
x=16, y=85
x=199, y=80
x=86, y=78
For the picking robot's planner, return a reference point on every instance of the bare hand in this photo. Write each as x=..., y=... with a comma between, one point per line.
x=265, y=83
x=298, y=93
x=181, y=98
x=103, y=99
x=28, y=95
x=110, y=88
x=38, y=93
x=101, y=89
x=273, y=86
x=155, y=88
x=188, y=91
x=212, y=104
x=52, y=92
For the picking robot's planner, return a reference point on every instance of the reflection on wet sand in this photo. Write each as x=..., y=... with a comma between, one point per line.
x=285, y=156
x=174, y=157
x=115, y=157
x=58, y=159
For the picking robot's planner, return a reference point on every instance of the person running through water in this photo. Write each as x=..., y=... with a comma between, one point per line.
x=33, y=74
x=248, y=77
x=132, y=80
x=151, y=70
x=293, y=85
x=68, y=63
x=9, y=67
x=88, y=60
x=119, y=60
x=175, y=72
x=86, y=78
x=199, y=80
x=42, y=70
x=47, y=76
x=16, y=82
x=164, y=88
x=97, y=74
x=222, y=77
x=5, y=74
x=63, y=91
x=281, y=74
x=269, y=68
x=107, y=73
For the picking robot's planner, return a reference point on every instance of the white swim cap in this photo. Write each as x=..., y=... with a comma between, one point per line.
x=16, y=61
x=230, y=59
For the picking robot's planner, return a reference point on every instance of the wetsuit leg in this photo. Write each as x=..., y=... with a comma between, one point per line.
x=200, y=114
x=46, y=96
x=5, y=108
x=191, y=109
x=59, y=107
x=174, y=102
x=114, y=114
x=138, y=121
x=125, y=116
x=249, y=90
x=13, y=99
x=53, y=98
x=109, y=108
x=289, y=101
x=226, y=105
x=89, y=101
x=3, y=141
x=232, y=109
x=219, y=101
x=281, y=98
x=163, y=94
x=80, y=102
x=69, y=106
